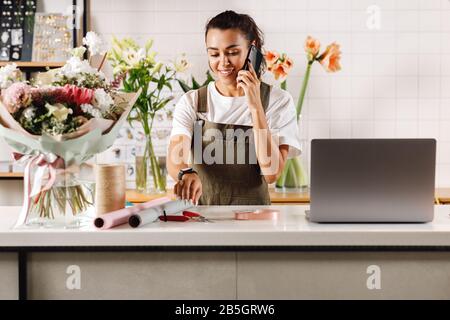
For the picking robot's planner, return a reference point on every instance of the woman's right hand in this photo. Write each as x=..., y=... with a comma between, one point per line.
x=189, y=188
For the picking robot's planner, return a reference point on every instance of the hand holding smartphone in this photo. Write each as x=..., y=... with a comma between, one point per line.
x=254, y=57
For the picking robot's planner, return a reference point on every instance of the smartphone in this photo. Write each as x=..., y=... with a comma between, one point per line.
x=254, y=57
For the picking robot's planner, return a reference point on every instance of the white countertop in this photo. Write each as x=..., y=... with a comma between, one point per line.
x=291, y=229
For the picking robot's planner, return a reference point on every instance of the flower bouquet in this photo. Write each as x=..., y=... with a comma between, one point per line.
x=294, y=175
x=54, y=127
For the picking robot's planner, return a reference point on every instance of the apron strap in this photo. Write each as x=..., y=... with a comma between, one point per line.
x=202, y=101
x=265, y=94
x=202, y=97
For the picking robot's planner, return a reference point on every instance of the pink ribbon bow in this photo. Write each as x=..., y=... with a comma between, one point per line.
x=29, y=192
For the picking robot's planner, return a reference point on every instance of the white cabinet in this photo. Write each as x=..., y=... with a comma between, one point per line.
x=141, y=275
x=343, y=275
x=9, y=288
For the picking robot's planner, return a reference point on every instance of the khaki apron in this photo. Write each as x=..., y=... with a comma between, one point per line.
x=226, y=182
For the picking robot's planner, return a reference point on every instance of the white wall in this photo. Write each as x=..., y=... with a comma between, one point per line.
x=395, y=81
x=54, y=6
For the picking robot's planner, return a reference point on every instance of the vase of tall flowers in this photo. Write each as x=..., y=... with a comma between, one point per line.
x=136, y=68
x=294, y=175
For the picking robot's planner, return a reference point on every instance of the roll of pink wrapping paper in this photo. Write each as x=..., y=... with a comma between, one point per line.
x=115, y=218
x=151, y=214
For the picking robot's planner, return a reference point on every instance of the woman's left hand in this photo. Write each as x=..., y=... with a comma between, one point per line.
x=249, y=82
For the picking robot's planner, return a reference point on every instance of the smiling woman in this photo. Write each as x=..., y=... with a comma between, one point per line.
x=219, y=128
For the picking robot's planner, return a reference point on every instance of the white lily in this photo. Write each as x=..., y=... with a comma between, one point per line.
x=181, y=64
x=156, y=68
x=58, y=111
x=133, y=57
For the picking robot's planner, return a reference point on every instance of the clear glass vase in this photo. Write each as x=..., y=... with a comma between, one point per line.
x=68, y=203
x=294, y=177
x=150, y=170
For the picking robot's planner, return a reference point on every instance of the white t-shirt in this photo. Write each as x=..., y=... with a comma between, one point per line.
x=280, y=115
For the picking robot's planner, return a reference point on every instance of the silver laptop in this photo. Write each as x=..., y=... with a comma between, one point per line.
x=372, y=180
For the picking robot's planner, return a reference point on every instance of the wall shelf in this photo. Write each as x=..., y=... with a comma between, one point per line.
x=27, y=67
x=442, y=194
x=136, y=197
x=33, y=64
x=9, y=175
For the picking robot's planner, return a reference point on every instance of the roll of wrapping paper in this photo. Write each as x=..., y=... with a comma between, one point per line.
x=109, y=188
x=115, y=218
x=147, y=216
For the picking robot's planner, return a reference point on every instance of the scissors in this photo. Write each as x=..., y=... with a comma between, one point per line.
x=186, y=216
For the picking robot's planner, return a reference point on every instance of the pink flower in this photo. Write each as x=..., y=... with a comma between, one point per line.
x=17, y=96
x=48, y=94
x=58, y=95
x=36, y=96
x=78, y=95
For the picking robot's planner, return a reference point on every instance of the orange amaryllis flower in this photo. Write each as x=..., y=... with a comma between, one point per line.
x=279, y=71
x=331, y=58
x=279, y=65
x=312, y=47
x=271, y=58
x=288, y=64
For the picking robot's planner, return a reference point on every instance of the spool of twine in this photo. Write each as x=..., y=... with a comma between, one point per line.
x=109, y=188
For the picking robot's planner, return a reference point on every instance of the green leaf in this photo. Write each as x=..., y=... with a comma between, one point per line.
x=161, y=82
x=134, y=118
x=163, y=103
x=126, y=86
x=184, y=86
x=168, y=85
x=148, y=45
x=209, y=78
x=195, y=84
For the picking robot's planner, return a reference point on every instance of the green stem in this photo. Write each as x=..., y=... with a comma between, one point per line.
x=297, y=172
x=283, y=85
x=282, y=179
x=49, y=204
x=158, y=180
x=303, y=90
x=59, y=199
x=302, y=171
x=291, y=177
x=74, y=198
